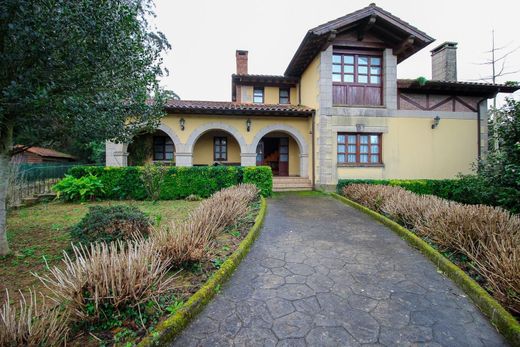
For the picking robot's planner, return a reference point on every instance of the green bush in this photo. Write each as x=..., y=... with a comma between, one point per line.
x=178, y=183
x=110, y=223
x=152, y=177
x=261, y=176
x=88, y=187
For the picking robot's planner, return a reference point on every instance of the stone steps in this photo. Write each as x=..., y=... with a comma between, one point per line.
x=287, y=184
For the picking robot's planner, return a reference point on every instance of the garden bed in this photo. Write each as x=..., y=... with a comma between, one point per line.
x=41, y=231
x=120, y=280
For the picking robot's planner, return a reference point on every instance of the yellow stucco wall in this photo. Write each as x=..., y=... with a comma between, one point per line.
x=203, y=151
x=411, y=149
x=309, y=84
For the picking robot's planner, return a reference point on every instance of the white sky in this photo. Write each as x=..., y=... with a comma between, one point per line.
x=204, y=35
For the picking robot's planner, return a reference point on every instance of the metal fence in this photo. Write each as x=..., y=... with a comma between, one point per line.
x=27, y=181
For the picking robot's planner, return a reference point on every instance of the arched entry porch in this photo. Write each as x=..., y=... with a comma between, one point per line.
x=284, y=149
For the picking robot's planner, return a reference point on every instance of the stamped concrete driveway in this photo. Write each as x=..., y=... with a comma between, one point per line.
x=323, y=274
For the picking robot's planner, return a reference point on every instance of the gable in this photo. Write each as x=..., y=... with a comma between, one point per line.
x=369, y=23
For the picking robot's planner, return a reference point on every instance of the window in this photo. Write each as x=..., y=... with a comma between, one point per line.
x=220, y=149
x=162, y=148
x=284, y=96
x=359, y=148
x=258, y=95
x=356, y=68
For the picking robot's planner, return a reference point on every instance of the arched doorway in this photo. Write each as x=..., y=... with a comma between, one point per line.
x=279, y=151
x=283, y=148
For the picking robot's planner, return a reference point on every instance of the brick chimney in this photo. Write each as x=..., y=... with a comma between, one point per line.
x=241, y=62
x=444, y=62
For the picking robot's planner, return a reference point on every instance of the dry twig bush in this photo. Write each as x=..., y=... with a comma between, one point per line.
x=488, y=236
x=189, y=241
x=117, y=274
x=32, y=324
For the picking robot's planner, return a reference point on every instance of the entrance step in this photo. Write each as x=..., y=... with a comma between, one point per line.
x=287, y=184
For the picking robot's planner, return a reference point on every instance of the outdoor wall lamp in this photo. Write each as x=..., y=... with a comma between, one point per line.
x=182, y=122
x=248, y=125
x=436, y=122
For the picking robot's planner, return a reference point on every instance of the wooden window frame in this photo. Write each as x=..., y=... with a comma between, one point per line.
x=358, y=152
x=355, y=65
x=163, y=145
x=288, y=90
x=224, y=151
x=263, y=95
x=348, y=93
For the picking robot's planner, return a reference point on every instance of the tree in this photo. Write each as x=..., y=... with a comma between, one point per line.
x=82, y=69
x=497, y=61
x=501, y=169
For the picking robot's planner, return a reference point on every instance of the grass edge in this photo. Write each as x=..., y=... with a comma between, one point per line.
x=505, y=323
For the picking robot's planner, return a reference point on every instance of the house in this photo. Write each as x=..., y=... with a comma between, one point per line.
x=38, y=155
x=339, y=111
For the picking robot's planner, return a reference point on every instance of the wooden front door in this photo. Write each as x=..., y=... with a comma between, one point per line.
x=283, y=162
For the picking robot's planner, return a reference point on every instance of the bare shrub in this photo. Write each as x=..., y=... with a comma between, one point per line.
x=32, y=324
x=117, y=274
x=189, y=241
x=488, y=236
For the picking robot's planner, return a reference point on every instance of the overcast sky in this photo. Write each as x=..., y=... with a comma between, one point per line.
x=204, y=35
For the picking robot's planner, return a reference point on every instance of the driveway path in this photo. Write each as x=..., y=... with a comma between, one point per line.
x=324, y=274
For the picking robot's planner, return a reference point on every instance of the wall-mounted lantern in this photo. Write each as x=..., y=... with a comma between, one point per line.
x=182, y=122
x=248, y=125
x=436, y=122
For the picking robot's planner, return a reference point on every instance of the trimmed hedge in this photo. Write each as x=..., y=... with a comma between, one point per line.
x=179, y=183
x=469, y=189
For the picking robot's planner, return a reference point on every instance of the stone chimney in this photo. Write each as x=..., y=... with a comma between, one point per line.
x=444, y=62
x=241, y=62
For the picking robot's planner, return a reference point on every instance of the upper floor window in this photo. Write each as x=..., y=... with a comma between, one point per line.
x=284, y=96
x=258, y=95
x=162, y=148
x=357, y=78
x=359, y=148
x=356, y=68
x=220, y=148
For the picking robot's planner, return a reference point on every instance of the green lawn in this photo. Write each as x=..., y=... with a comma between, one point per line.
x=41, y=231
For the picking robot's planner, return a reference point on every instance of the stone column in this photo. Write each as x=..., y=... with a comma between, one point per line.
x=483, y=129
x=324, y=174
x=304, y=165
x=390, y=79
x=183, y=159
x=116, y=154
x=247, y=159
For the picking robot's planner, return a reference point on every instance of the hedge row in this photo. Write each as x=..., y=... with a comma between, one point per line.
x=180, y=182
x=469, y=189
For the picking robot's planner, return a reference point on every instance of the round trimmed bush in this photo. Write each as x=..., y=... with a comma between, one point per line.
x=111, y=223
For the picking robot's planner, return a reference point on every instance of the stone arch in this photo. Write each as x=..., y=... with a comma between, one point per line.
x=176, y=141
x=295, y=134
x=197, y=133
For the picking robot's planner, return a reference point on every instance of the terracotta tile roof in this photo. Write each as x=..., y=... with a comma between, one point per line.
x=227, y=107
x=460, y=87
x=267, y=79
x=47, y=152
